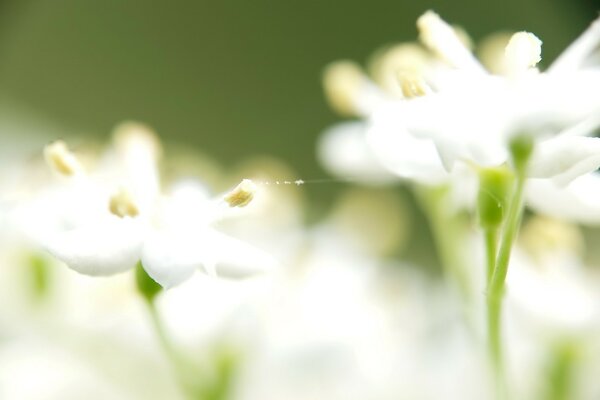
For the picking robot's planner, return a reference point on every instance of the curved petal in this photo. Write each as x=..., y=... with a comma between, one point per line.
x=235, y=258
x=575, y=55
x=577, y=202
x=170, y=257
x=565, y=158
x=344, y=151
x=105, y=248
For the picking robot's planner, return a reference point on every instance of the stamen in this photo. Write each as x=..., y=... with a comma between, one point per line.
x=342, y=82
x=242, y=194
x=442, y=39
x=523, y=51
x=412, y=84
x=122, y=204
x=61, y=159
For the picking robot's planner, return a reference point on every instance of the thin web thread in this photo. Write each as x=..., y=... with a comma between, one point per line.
x=300, y=182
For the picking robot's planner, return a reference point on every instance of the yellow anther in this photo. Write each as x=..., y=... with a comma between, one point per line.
x=412, y=84
x=242, y=194
x=386, y=64
x=122, y=204
x=61, y=159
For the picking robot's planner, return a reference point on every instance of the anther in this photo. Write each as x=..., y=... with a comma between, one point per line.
x=242, y=194
x=122, y=204
x=412, y=84
x=61, y=159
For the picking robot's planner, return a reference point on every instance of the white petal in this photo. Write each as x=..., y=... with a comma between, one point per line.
x=401, y=153
x=565, y=158
x=170, y=257
x=577, y=202
x=575, y=55
x=235, y=258
x=98, y=249
x=188, y=203
x=343, y=150
x=441, y=38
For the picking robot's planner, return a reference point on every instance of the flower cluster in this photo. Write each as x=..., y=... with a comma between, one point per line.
x=430, y=110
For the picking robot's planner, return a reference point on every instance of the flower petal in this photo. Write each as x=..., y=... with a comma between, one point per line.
x=235, y=258
x=401, y=152
x=576, y=54
x=565, y=158
x=105, y=248
x=577, y=202
x=170, y=257
x=343, y=150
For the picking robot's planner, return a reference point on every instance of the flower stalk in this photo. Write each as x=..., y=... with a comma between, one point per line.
x=149, y=290
x=521, y=149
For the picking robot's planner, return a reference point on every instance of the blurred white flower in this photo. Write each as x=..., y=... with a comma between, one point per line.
x=549, y=282
x=104, y=223
x=451, y=109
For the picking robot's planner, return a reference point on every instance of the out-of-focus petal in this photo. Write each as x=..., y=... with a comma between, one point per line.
x=235, y=258
x=171, y=257
x=105, y=248
x=565, y=158
x=344, y=151
x=577, y=202
x=402, y=153
x=576, y=54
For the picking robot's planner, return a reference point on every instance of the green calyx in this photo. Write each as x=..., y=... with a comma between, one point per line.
x=492, y=199
x=521, y=147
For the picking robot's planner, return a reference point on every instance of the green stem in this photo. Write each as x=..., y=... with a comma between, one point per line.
x=180, y=365
x=491, y=248
x=561, y=372
x=446, y=230
x=498, y=279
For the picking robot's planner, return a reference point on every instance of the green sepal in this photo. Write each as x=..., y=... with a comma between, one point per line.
x=146, y=285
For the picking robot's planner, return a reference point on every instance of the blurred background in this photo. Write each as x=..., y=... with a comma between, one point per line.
x=235, y=81
x=232, y=78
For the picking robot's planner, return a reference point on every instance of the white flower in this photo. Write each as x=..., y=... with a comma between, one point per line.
x=104, y=223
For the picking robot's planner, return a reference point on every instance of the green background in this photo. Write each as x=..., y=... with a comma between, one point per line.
x=234, y=78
